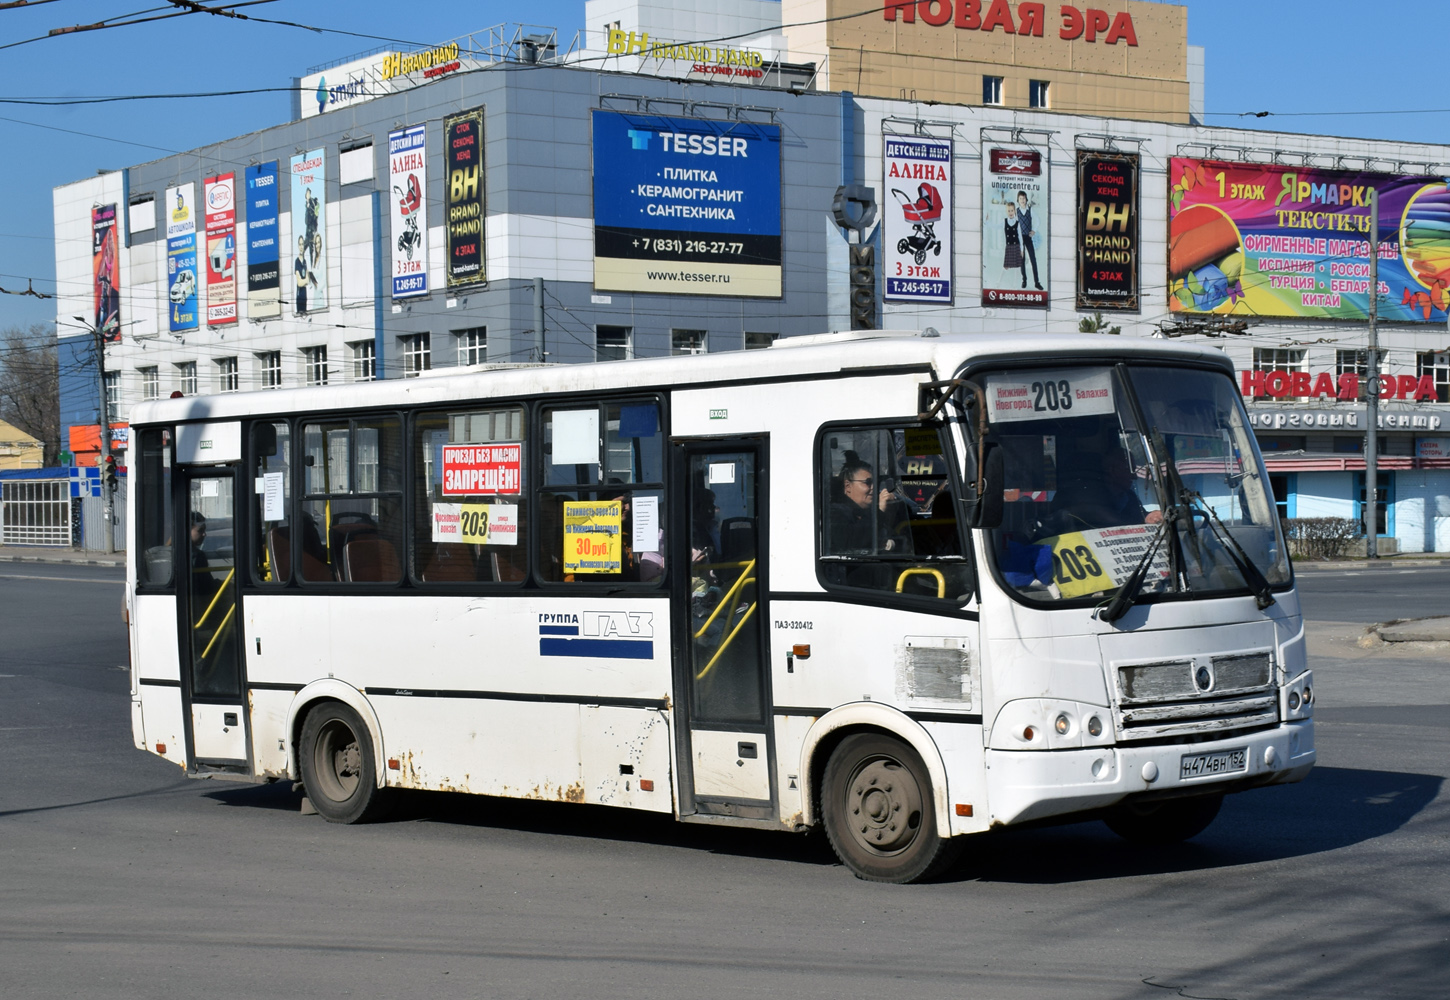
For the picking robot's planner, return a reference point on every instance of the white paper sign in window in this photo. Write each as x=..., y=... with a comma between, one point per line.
x=646, y=524
x=576, y=437
x=273, y=507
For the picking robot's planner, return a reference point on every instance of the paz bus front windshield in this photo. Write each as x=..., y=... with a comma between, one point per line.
x=1095, y=460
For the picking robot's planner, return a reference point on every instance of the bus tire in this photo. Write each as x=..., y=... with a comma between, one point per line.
x=1170, y=821
x=877, y=808
x=338, y=769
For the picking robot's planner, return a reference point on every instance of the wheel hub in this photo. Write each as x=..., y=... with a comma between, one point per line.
x=884, y=806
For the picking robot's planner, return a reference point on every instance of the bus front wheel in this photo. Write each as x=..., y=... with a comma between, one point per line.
x=1168, y=822
x=338, y=769
x=877, y=808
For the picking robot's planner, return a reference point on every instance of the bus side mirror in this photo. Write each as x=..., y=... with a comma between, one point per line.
x=984, y=509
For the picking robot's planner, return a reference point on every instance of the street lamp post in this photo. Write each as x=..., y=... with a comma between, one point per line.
x=107, y=497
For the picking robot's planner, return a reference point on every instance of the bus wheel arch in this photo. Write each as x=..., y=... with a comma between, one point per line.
x=313, y=695
x=833, y=728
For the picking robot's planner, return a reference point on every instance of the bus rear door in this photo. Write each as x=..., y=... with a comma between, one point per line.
x=725, y=742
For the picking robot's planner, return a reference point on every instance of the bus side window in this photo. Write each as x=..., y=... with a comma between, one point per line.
x=602, y=502
x=272, y=489
x=470, y=522
x=351, y=519
x=154, y=529
x=888, y=514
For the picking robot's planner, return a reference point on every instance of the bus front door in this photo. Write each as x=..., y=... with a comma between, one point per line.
x=726, y=738
x=211, y=623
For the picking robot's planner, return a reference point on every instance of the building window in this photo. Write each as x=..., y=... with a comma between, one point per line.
x=417, y=354
x=1355, y=363
x=759, y=341
x=113, y=397
x=472, y=345
x=1037, y=94
x=611, y=343
x=271, y=362
x=1278, y=359
x=991, y=90
x=314, y=364
x=1435, y=364
x=186, y=375
x=150, y=382
x=687, y=342
x=226, y=374
x=364, y=361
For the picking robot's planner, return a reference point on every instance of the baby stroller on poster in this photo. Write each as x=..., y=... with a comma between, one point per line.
x=923, y=214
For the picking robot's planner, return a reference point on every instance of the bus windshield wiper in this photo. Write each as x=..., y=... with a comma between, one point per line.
x=1254, y=579
x=1117, y=607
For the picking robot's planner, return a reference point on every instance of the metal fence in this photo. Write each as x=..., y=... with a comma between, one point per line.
x=36, y=512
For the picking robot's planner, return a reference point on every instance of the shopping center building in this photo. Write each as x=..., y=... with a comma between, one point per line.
x=663, y=181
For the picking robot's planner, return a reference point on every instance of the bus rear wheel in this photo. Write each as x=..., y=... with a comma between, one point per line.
x=877, y=808
x=1170, y=821
x=338, y=768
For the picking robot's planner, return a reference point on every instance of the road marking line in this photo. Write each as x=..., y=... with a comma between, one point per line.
x=62, y=579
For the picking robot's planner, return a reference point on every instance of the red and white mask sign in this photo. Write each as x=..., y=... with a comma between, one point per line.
x=471, y=469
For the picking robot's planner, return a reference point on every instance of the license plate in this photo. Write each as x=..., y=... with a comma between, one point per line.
x=1198, y=765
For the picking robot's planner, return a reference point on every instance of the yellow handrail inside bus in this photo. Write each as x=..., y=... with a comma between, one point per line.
x=941, y=581
x=728, y=640
x=724, y=601
x=216, y=597
x=220, y=629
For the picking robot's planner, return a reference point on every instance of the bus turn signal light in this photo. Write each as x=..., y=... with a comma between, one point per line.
x=801, y=651
x=161, y=749
x=964, y=808
x=394, y=764
x=646, y=784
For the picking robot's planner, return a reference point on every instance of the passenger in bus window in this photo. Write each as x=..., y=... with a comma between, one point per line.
x=852, y=524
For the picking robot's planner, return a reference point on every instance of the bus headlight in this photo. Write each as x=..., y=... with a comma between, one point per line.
x=1299, y=697
x=1095, y=726
x=1062, y=724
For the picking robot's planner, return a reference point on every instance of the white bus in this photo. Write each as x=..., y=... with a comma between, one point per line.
x=909, y=587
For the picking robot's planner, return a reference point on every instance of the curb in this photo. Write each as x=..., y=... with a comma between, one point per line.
x=113, y=563
x=1365, y=564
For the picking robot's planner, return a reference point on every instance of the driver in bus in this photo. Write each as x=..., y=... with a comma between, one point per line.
x=853, y=526
x=1097, y=493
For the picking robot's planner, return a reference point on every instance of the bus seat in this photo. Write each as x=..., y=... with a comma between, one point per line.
x=450, y=563
x=279, y=552
x=505, y=569
x=340, y=533
x=370, y=559
x=737, y=539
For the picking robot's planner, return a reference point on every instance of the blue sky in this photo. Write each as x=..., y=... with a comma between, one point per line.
x=1324, y=66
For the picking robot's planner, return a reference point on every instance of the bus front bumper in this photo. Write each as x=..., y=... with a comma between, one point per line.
x=1032, y=784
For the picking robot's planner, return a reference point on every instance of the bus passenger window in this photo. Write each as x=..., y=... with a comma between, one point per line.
x=154, y=528
x=271, y=522
x=888, y=515
x=469, y=497
x=351, y=516
x=602, y=505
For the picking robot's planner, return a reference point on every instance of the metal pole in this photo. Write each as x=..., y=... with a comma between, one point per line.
x=107, y=496
x=539, y=316
x=1372, y=407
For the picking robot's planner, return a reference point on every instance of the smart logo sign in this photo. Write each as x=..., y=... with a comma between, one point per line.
x=686, y=206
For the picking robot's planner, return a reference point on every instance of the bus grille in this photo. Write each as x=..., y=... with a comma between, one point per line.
x=1198, y=696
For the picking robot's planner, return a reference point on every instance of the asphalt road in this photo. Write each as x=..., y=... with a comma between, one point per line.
x=121, y=878
x=1373, y=595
